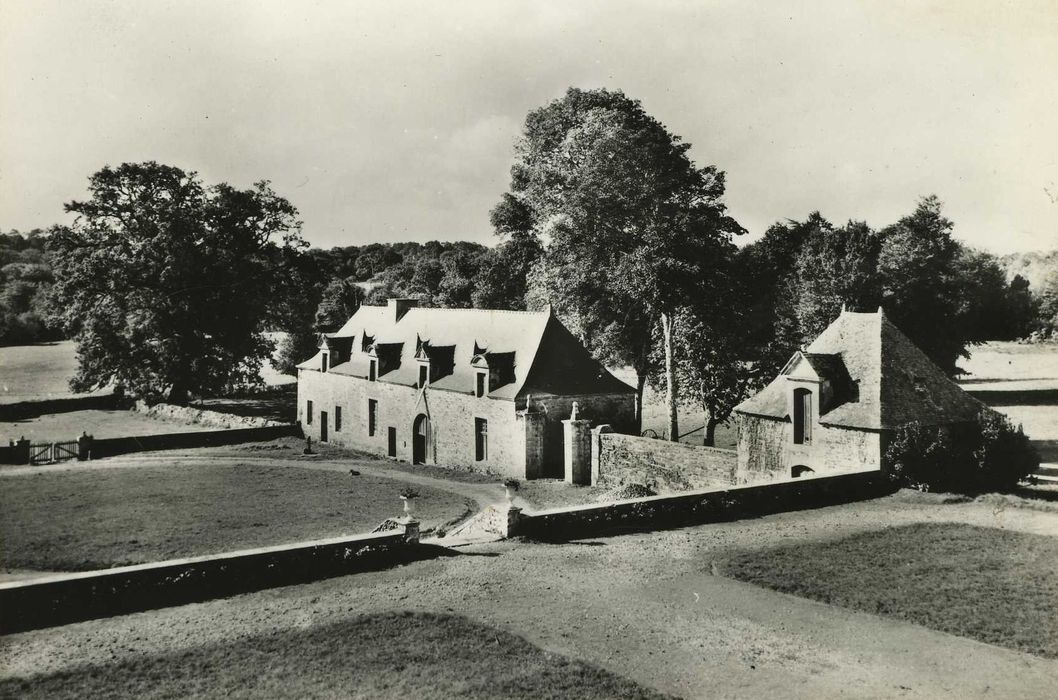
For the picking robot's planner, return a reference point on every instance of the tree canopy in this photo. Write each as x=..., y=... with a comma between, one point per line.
x=635, y=228
x=167, y=284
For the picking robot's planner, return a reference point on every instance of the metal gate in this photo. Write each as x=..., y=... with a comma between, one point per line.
x=48, y=453
x=63, y=451
x=40, y=454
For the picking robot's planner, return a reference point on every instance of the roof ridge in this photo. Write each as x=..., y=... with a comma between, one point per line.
x=456, y=308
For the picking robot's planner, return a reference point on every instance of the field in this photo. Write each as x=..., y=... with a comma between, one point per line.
x=987, y=584
x=36, y=372
x=413, y=655
x=57, y=427
x=81, y=518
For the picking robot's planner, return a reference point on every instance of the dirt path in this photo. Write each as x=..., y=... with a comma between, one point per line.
x=645, y=606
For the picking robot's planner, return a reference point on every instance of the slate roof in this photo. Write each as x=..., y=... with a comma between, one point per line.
x=889, y=382
x=547, y=358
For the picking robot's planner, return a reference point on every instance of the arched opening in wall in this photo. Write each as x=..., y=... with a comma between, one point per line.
x=419, y=438
x=801, y=470
x=802, y=417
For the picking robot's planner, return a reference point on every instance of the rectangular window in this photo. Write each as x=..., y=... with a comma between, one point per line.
x=323, y=363
x=481, y=439
x=802, y=417
x=424, y=375
x=337, y=418
x=308, y=414
x=479, y=390
x=372, y=417
x=372, y=371
x=392, y=442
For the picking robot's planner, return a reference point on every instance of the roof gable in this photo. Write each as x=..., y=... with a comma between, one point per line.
x=880, y=379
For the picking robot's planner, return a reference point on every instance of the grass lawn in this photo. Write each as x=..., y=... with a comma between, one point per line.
x=36, y=372
x=987, y=584
x=388, y=655
x=43, y=371
x=82, y=519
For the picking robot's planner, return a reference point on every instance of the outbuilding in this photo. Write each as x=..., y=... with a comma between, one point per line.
x=470, y=388
x=835, y=404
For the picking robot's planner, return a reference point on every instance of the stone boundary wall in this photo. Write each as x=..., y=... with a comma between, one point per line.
x=200, y=416
x=110, y=447
x=697, y=507
x=66, y=598
x=662, y=465
x=31, y=409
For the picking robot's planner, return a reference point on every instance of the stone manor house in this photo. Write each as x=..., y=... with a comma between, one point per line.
x=834, y=405
x=472, y=388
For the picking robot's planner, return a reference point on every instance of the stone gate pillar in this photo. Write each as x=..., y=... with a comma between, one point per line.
x=21, y=451
x=596, y=452
x=533, y=425
x=577, y=451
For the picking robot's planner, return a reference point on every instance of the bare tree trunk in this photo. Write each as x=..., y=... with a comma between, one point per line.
x=667, y=329
x=178, y=394
x=641, y=382
x=710, y=431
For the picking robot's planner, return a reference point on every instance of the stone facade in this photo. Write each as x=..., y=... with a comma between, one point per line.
x=524, y=438
x=659, y=464
x=766, y=450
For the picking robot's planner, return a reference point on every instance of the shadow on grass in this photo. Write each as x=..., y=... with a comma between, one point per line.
x=50, y=603
x=383, y=655
x=275, y=404
x=1016, y=397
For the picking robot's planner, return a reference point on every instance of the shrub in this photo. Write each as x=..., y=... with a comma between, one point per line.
x=988, y=455
x=1004, y=455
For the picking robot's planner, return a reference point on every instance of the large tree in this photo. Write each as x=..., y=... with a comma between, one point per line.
x=167, y=283
x=921, y=290
x=711, y=360
x=636, y=229
x=836, y=268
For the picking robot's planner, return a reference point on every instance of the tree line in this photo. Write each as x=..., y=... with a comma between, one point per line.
x=171, y=286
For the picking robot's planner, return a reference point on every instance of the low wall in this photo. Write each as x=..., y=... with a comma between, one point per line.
x=659, y=464
x=65, y=598
x=698, y=506
x=31, y=409
x=109, y=447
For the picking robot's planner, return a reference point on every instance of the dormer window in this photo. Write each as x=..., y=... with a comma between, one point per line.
x=481, y=383
x=323, y=363
x=424, y=375
x=372, y=370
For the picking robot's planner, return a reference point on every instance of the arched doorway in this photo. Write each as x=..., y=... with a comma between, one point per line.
x=420, y=433
x=801, y=470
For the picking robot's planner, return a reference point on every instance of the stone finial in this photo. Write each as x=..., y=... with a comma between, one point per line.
x=573, y=413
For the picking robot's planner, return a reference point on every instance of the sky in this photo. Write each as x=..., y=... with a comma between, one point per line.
x=392, y=121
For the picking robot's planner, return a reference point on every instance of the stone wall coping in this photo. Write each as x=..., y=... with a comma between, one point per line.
x=369, y=538
x=696, y=493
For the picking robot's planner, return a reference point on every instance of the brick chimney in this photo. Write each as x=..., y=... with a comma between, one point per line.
x=399, y=307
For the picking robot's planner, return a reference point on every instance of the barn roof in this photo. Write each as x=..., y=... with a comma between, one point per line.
x=546, y=357
x=888, y=381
